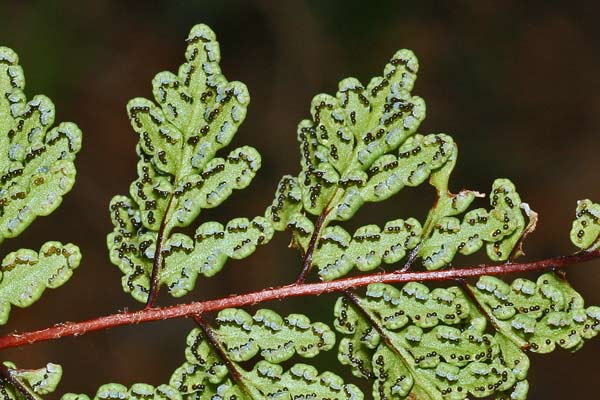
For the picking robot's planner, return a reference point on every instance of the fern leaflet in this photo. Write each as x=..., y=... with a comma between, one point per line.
x=195, y=114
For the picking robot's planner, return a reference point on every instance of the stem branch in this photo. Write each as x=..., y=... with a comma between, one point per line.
x=7, y=375
x=218, y=347
x=307, y=262
x=282, y=292
x=158, y=261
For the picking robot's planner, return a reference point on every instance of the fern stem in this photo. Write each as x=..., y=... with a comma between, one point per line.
x=411, y=258
x=7, y=375
x=209, y=334
x=158, y=261
x=469, y=292
x=282, y=292
x=307, y=261
x=402, y=354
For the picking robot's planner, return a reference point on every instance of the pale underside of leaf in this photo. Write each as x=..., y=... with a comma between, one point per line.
x=361, y=146
x=539, y=315
x=38, y=382
x=426, y=344
x=586, y=226
x=265, y=334
x=36, y=160
x=27, y=273
x=195, y=113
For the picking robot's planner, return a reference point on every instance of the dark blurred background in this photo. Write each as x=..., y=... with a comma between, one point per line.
x=516, y=84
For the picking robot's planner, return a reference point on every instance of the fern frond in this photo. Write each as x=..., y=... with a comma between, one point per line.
x=36, y=161
x=194, y=114
x=350, y=133
x=138, y=391
x=413, y=343
x=267, y=380
x=264, y=381
x=367, y=249
x=362, y=146
x=426, y=344
x=213, y=244
x=204, y=375
x=435, y=344
x=276, y=340
x=538, y=315
x=500, y=229
x=586, y=226
x=26, y=274
x=36, y=170
x=37, y=382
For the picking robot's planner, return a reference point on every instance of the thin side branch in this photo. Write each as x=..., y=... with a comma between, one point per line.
x=278, y=293
x=355, y=300
x=467, y=289
x=218, y=347
x=411, y=258
x=7, y=375
x=307, y=261
x=158, y=261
